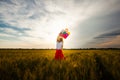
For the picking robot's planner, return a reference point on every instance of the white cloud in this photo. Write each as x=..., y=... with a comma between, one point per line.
x=9, y=30
x=5, y=35
x=46, y=18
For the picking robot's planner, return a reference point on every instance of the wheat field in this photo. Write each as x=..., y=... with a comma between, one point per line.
x=36, y=64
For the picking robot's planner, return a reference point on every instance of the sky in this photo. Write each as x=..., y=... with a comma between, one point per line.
x=36, y=23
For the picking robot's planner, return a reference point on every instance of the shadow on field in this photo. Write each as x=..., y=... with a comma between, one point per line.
x=103, y=74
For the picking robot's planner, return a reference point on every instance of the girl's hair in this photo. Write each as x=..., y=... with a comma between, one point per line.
x=59, y=39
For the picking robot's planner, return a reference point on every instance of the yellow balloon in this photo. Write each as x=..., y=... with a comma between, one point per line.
x=69, y=33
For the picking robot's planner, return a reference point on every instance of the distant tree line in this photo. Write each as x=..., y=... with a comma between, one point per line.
x=64, y=49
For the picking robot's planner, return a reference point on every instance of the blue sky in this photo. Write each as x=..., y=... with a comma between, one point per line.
x=36, y=23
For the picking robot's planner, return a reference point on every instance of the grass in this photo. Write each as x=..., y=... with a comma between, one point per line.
x=35, y=64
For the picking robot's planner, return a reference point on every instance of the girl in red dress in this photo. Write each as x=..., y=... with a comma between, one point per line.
x=59, y=46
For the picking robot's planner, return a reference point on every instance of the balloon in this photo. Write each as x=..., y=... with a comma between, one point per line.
x=64, y=33
x=69, y=33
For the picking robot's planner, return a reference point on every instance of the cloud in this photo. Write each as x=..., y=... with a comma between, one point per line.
x=109, y=34
x=35, y=22
x=106, y=40
x=12, y=30
x=103, y=24
x=111, y=43
x=5, y=35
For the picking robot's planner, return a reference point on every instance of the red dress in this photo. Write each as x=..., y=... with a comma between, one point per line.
x=59, y=54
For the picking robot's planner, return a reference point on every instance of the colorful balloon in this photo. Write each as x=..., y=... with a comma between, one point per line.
x=64, y=33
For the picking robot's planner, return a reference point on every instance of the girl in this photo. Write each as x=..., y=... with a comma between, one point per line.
x=59, y=46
